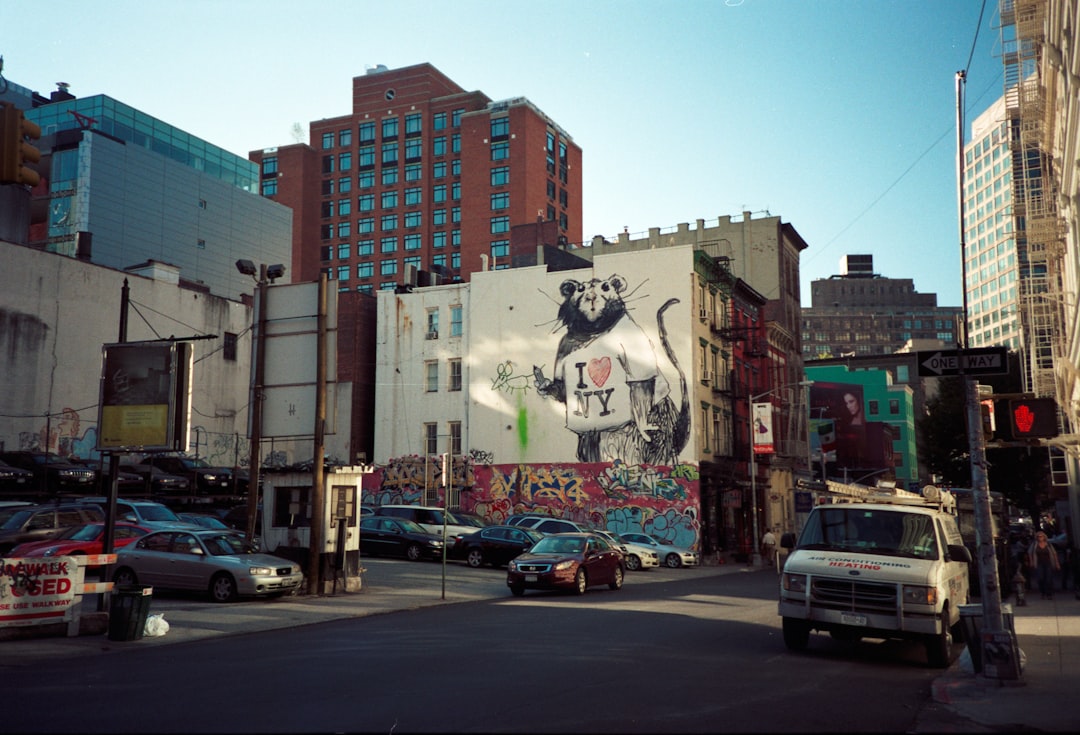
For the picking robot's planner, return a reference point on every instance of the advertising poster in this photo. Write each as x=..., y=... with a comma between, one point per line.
x=861, y=446
x=763, y=429
x=34, y=591
x=144, y=396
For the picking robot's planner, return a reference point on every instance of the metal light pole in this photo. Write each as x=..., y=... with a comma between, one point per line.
x=755, y=554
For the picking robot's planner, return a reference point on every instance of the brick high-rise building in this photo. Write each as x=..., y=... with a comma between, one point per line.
x=421, y=176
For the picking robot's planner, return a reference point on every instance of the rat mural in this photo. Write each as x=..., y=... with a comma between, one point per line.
x=617, y=400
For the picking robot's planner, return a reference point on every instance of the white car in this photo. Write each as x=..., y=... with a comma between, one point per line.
x=637, y=556
x=670, y=556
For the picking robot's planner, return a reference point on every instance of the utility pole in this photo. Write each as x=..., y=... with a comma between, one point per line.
x=318, y=491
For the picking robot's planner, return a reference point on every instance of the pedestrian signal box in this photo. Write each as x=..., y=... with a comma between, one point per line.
x=1033, y=418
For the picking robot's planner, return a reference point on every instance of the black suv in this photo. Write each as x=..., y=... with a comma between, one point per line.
x=203, y=478
x=53, y=473
x=42, y=522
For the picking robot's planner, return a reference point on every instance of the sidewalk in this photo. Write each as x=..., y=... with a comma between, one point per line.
x=1044, y=699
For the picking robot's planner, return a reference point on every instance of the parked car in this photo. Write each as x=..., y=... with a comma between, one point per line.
x=8, y=508
x=127, y=484
x=553, y=525
x=389, y=536
x=156, y=481
x=638, y=557
x=52, y=473
x=431, y=518
x=494, y=545
x=15, y=479
x=41, y=522
x=670, y=556
x=466, y=518
x=88, y=539
x=205, y=520
x=203, y=478
x=142, y=512
x=566, y=561
x=217, y=562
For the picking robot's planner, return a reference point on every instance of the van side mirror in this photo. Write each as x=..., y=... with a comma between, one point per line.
x=787, y=541
x=958, y=552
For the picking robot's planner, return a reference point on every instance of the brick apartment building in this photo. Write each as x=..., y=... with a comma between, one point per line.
x=422, y=175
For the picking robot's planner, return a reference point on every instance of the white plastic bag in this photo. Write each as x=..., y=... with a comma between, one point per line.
x=156, y=625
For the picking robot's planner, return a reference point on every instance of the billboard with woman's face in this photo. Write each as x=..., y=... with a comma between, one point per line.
x=862, y=446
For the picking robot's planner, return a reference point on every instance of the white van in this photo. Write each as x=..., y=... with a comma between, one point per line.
x=430, y=517
x=889, y=567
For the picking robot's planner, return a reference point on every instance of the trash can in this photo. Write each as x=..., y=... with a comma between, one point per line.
x=129, y=605
x=971, y=618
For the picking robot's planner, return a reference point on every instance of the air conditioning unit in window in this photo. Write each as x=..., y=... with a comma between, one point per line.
x=433, y=334
x=703, y=314
x=706, y=377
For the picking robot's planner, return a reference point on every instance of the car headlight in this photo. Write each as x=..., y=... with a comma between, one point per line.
x=920, y=595
x=260, y=571
x=565, y=564
x=795, y=583
x=512, y=566
x=49, y=551
x=210, y=477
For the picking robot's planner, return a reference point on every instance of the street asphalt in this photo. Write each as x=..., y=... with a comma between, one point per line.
x=1042, y=699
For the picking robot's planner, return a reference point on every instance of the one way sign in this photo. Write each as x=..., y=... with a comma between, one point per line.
x=974, y=361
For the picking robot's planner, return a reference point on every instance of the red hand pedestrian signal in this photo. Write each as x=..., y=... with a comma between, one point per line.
x=1033, y=418
x=1024, y=418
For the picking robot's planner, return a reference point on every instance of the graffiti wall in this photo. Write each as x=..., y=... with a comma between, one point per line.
x=662, y=501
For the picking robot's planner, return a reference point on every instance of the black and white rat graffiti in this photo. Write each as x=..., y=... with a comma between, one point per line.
x=617, y=400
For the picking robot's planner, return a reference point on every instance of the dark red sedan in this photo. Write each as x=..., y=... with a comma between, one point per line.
x=566, y=561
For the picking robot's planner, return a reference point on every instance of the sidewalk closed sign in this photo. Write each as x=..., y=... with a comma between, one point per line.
x=36, y=591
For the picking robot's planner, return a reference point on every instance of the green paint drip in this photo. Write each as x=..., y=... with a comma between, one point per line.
x=523, y=427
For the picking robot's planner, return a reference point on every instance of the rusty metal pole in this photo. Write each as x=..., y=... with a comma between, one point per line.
x=318, y=491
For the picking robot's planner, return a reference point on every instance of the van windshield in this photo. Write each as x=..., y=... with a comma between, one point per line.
x=871, y=530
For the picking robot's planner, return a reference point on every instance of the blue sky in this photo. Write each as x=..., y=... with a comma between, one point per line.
x=836, y=115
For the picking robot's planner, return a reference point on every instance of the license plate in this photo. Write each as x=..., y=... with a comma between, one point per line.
x=531, y=577
x=852, y=619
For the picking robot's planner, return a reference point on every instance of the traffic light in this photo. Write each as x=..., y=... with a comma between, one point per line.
x=15, y=151
x=989, y=425
x=1033, y=418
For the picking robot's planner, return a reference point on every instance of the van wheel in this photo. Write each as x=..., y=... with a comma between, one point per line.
x=796, y=634
x=939, y=645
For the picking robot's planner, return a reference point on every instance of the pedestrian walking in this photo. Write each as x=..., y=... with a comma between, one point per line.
x=768, y=547
x=1043, y=561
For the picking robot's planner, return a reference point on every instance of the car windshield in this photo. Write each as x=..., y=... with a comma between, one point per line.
x=158, y=513
x=871, y=530
x=226, y=544
x=89, y=532
x=410, y=526
x=193, y=464
x=17, y=519
x=556, y=545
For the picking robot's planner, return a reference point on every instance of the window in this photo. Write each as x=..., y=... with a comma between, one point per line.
x=345, y=137
x=438, y=217
x=455, y=167
x=439, y=260
x=269, y=166
x=389, y=176
x=344, y=229
x=438, y=240
x=389, y=199
x=438, y=121
x=500, y=175
x=413, y=260
x=344, y=161
x=365, y=157
x=438, y=193
x=500, y=248
x=366, y=180
x=388, y=245
x=414, y=218
x=431, y=438
x=500, y=151
x=328, y=164
x=500, y=200
x=367, y=132
x=365, y=270
x=431, y=368
x=433, y=321
x=228, y=347
x=455, y=260
x=414, y=172
x=894, y=407
x=327, y=140
x=438, y=170
x=413, y=196
x=365, y=247
x=455, y=214
x=500, y=128
x=327, y=209
x=438, y=146
x=326, y=252
x=455, y=320
x=388, y=267
x=365, y=224
x=343, y=272
x=388, y=222
x=414, y=149
x=455, y=143
x=343, y=251
x=413, y=241
x=365, y=203
x=344, y=208
x=500, y=224
x=455, y=239
x=390, y=128
x=455, y=190
x=414, y=124
x=269, y=187
x=455, y=117
x=389, y=154
x=455, y=437
x=345, y=185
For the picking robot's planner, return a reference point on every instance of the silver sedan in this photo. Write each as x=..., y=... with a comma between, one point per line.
x=670, y=556
x=219, y=563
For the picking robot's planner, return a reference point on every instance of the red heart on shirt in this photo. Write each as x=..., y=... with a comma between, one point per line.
x=600, y=370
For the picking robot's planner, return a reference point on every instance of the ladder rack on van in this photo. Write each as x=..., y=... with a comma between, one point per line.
x=932, y=497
